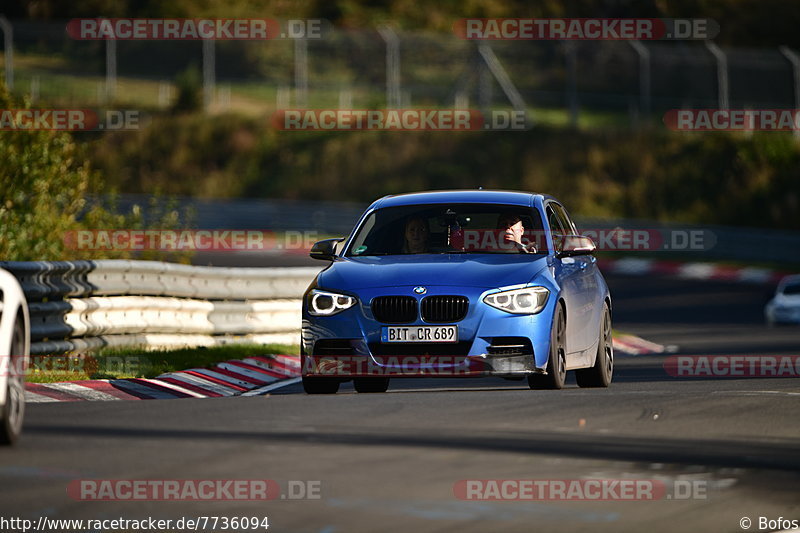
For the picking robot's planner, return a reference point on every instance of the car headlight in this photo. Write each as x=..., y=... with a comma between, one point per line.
x=526, y=301
x=324, y=303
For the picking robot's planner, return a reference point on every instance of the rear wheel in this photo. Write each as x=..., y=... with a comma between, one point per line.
x=603, y=370
x=371, y=384
x=13, y=410
x=557, y=361
x=320, y=385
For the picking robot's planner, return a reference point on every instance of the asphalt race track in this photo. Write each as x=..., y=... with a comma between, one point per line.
x=393, y=462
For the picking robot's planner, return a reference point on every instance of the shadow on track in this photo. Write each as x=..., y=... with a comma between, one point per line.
x=779, y=454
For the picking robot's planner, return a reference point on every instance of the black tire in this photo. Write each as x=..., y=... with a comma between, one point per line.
x=602, y=372
x=320, y=385
x=371, y=384
x=557, y=361
x=13, y=411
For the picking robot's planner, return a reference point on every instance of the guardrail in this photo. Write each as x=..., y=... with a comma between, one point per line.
x=722, y=243
x=83, y=305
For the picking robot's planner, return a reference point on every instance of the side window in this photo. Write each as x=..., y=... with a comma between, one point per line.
x=556, y=226
x=566, y=222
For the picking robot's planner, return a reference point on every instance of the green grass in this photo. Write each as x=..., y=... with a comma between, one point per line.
x=117, y=363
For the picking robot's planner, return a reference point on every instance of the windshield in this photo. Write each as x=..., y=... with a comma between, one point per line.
x=791, y=289
x=447, y=229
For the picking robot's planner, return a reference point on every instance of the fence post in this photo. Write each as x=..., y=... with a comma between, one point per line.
x=209, y=72
x=794, y=59
x=345, y=98
x=485, y=95
x=300, y=72
x=722, y=73
x=164, y=91
x=111, y=69
x=393, y=100
x=35, y=81
x=8, y=50
x=500, y=74
x=572, y=82
x=645, y=97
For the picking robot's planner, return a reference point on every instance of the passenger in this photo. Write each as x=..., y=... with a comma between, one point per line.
x=416, y=236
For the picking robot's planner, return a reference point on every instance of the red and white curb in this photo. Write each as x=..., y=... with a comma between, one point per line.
x=694, y=271
x=248, y=377
x=633, y=345
x=253, y=376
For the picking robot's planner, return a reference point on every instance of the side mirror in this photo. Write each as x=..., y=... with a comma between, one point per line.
x=577, y=245
x=325, y=250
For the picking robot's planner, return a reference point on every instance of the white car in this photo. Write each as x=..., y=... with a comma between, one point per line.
x=14, y=355
x=784, y=308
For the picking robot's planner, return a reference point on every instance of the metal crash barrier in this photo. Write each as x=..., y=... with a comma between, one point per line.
x=77, y=306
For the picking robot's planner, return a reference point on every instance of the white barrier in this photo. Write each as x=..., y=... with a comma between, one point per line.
x=83, y=305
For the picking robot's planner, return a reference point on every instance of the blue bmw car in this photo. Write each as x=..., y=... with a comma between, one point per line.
x=457, y=283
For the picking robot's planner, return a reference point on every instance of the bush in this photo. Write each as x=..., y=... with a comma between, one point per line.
x=44, y=183
x=706, y=178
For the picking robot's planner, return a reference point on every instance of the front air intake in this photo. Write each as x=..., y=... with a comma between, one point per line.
x=394, y=309
x=444, y=308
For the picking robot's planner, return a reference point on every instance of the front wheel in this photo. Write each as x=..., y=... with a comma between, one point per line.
x=320, y=385
x=13, y=411
x=603, y=370
x=557, y=360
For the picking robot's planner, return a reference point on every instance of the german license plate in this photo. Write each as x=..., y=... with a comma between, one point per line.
x=420, y=334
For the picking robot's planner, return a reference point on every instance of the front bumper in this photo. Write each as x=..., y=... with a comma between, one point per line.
x=349, y=344
x=350, y=366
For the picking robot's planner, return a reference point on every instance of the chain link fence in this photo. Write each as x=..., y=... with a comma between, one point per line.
x=625, y=81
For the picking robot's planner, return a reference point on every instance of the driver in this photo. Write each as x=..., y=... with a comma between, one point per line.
x=513, y=230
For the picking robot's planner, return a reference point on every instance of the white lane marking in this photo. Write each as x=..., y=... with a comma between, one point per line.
x=135, y=389
x=174, y=387
x=80, y=391
x=696, y=270
x=261, y=376
x=267, y=366
x=263, y=390
x=624, y=347
x=224, y=377
x=32, y=397
x=293, y=361
x=202, y=383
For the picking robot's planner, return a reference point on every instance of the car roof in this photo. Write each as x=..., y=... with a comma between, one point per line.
x=790, y=280
x=462, y=196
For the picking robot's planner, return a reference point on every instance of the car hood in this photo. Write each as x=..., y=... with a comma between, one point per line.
x=791, y=300
x=464, y=270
